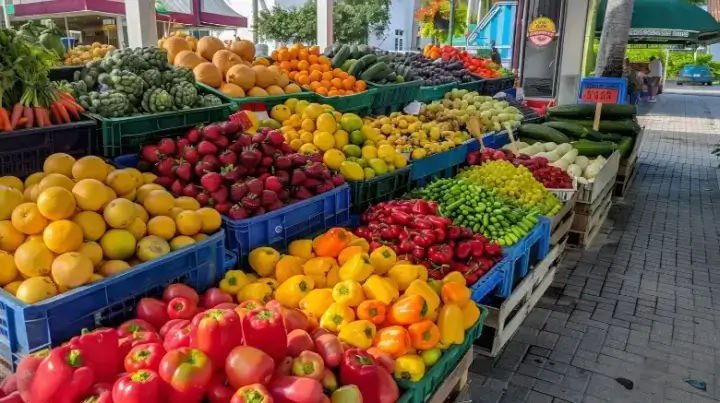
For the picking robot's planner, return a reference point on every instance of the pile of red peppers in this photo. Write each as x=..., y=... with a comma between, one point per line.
x=415, y=231
x=191, y=349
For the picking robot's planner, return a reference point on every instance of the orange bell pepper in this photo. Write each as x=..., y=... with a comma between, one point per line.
x=332, y=242
x=424, y=335
x=372, y=310
x=393, y=340
x=408, y=310
x=454, y=293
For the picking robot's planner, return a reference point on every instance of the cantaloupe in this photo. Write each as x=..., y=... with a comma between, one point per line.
x=264, y=77
x=187, y=58
x=232, y=90
x=244, y=49
x=173, y=46
x=242, y=76
x=274, y=90
x=207, y=46
x=208, y=74
x=257, y=92
x=292, y=88
x=224, y=59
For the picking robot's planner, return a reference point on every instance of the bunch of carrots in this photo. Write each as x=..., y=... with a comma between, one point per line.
x=26, y=114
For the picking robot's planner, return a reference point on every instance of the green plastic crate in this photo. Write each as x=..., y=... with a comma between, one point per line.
x=436, y=375
x=394, y=97
x=429, y=94
x=476, y=85
x=269, y=101
x=358, y=103
x=379, y=189
x=127, y=135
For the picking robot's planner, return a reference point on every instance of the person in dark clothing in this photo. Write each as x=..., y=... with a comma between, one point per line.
x=495, y=55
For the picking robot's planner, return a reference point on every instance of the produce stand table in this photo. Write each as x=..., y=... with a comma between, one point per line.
x=628, y=168
x=393, y=97
x=269, y=101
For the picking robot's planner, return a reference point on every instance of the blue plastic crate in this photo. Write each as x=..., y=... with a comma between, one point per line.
x=491, y=283
x=127, y=160
x=27, y=328
x=441, y=165
x=280, y=227
x=231, y=260
x=526, y=253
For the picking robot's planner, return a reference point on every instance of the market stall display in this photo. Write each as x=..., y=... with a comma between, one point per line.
x=461, y=105
x=483, y=67
x=82, y=54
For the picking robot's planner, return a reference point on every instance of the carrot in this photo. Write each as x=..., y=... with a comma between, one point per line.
x=17, y=111
x=55, y=113
x=62, y=112
x=22, y=121
x=72, y=110
x=67, y=96
x=40, y=116
x=46, y=116
x=28, y=113
x=5, y=120
x=79, y=107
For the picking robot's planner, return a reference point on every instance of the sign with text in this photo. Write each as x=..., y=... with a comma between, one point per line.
x=604, y=90
x=541, y=31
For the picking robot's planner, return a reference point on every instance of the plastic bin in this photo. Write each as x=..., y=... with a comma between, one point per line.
x=393, y=97
x=280, y=227
x=494, y=85
x=436, y=375
x=269, y=101
x=491, y=283
x=129, y=134
x=477, y=85
x=357, y=103
x=27, y=328
x=22, y=152
x=441, y=165
x=379, y=189
x=127, y=161
x=66, y=73
x=231, y=260
x=531, y=249
x=433, y=93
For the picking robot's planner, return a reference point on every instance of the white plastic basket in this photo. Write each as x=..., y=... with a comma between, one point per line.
x=565, y=194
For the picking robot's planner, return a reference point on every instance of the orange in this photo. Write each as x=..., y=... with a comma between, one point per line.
x=175, y=211
x=59, y=163
x=91, y=223
x=159, y=202
x=144, y=190
x=292, y=75
x=8, y=270
x=36, y=289
x=303, y=54
x=315, y=67
x=63, y=236
x=90, y=167
x=283, y=55
x=324, y=60
x=119, y=213
x=27, y=219
x=325, y=83
x=118, y=244
x=315, y=50
x=337, y=83
x=188, y=223
x=327, y=76
x=112, y=267
x=138, y=229
x=348, y=83
x=121, y=181
x=315, y=76
x=337, y=72
x=152, y=247
x=162, y=226
x=360, y=86
x=293, y=53
x=90, y=194
x=56, y=203
x=325, y=68
x=33, y=259
x=285, y=65
x=313, y=59
x=322, y=91
x=303, y=65
x=187, y=203
x=9, y=199
x=293, y=65
x=315, y=85
x=333, y=93
x=53, y=179
x=211, y=220
x=71, y=270
x=176, y=243
x=93, y=251
x=10, y=238
x=304, y=80
x=13, y=182
x=33, y=238
x=34, y=179
x=28, y=193
x=344, y=75
x=199, y=237
x=274, y=55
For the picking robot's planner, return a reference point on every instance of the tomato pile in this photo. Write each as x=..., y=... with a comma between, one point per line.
x=484, y=68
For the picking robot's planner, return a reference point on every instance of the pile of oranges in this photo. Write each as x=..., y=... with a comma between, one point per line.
x=314, y=72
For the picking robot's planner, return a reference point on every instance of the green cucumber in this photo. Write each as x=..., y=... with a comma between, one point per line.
x=611, y=137
x=589, y=148
x=356, y=68
x=543, y=133
x=372, y=73
x=626, y=127
x=354, y=52
x=626, y=146
x=587, y=111
x=369, y=60
x=341, y=56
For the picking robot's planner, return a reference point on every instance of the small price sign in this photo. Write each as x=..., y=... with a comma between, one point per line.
x=599, y=95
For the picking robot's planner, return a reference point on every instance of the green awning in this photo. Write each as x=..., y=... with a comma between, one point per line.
x=668, y=22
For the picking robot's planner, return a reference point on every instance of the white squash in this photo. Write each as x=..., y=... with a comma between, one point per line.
x=552, y=156
x=573, y=170
x=541, y=154
x=538, y=148
x=570, y=156
x=525, y=150
x=592, y=170
x=521, y=144
x=582, y=161
x=550, y=146
x=560, y=164
x=564, y=148
x=582, y=180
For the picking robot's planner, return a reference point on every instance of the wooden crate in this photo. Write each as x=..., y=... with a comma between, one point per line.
x=455, y=382
x=590, y=192
x=585, y=214
x=502, y=323
x=585, y=227
x=561, y=222
x=628, y=168
x=623, y=183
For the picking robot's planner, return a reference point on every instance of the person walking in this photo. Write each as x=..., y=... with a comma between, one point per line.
x=634, y=82
x=654, y=77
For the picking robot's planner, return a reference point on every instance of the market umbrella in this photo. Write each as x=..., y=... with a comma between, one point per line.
x=668, y=22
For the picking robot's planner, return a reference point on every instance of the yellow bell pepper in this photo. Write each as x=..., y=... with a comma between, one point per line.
x=454, y=293
x=422, y=273
x=381, y=289
x=383, y=258
x=269, y=281
x=454, y=277
x=302, y=248
x=349, y=292
x=320, y=280
x=336, y=316
x=361, y=242
x=471, y=314
x=287, y=267
x=450, y=322
x=404, y=274
x=263, y=260
x=252, y=277
x=410, y=367
x=333, y=277
x=293, y=290
x=317, y=301
x=357, y=268
x=422, y=288
x=319, y=266
x=257, y=291
x=359, y=333
x=435, y=285
x=234, y=281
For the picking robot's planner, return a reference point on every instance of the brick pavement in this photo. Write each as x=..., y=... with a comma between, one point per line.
x=641, y=304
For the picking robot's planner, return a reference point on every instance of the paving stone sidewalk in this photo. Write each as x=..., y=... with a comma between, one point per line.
x=643, y=303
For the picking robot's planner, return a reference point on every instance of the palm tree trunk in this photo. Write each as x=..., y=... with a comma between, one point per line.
x=614, y=38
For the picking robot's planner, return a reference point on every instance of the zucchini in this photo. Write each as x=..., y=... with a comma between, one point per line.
x=543, y=133
x=626, y=146
x=364, y=50
x=385, y=58
x=369, y=60
x=341, y=56
x=374, y=72
x=573, y=130
x=626, y=127
x=356, y=68
x=589, y=148
x=354, y=52
x=587, y=111
x=611, y=137
x=347, y=65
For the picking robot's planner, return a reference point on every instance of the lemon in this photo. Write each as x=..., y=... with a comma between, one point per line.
x=308, y=149
x=291, y=103
x=400, y=161
x=313, y=111
x=326, y=123
x=342, y=138
x=369, y=152
x=306, y=137
x=333, y=158
x=369, y=173
x=387, y=153
x=296, y=144
x=324, y=140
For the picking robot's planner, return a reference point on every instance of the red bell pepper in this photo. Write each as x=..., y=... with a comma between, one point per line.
x=255, y=393
x=171, y=324
x=26, y=372
x=359, y=368
x=134, y=325
x=136, y=339
x=294, y=389
x=62, y=377
x=180, y=308
x=387, y=388
x=440, y=254
x=153, y=311
x=138, y=387
x=100, y=393
x=216, y=332
x=13, y=397
x=178, y=337
x=264, y=330
x=186, y=373
x=8, y=385
x=101, y=351
x=219, y=390
x=144, y=356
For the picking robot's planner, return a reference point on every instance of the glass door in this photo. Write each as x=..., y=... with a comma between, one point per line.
x=542, y=44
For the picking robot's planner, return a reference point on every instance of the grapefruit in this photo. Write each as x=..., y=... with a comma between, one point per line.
x=188, y=222
x=187, y=203
x=27, y=219
x=59, y=163
x=199, y=237
x=121, y=181
x=141, y=213
x=144, y=190
x=33, y=259
x=93, y=251
x=8, y=270
x=89, y=167
x=13, y=182
x=118, y=244
x=176, y=212
x=162, y=226
x=63, y=236
x=112, y=267
x=10, y=237
x=71, y=270
x=52, y=180
x=56, y=203
x=36, y=289
x=119, y=213
x=149, y=177
x=152, y=247
x=159, y=202
x=9, y=199
x=137, y=175
x=180, y=242
x=13, y=287
x=91, y=223
x=94, y=278
x=34, y=179
x=211, y=219
x=138, y=229
x=90, y=194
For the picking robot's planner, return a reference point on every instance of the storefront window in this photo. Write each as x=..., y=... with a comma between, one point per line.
x=541, y=51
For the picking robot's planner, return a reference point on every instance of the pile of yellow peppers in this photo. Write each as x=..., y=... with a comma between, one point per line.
x=370, y=300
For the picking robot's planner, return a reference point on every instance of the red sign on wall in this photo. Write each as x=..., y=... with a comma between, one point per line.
x=599, y=95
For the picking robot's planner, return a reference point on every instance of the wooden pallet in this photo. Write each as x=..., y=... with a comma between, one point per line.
x=562, y=221
x=455, y=382
x=624, y=182
x=590, y=227
x=591, y=208
x=502, y=323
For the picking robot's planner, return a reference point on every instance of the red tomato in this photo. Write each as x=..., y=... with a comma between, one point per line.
x=247, y=365
x=153, y=311
x=134, y=325
x=181, y=290
x=214, y=297
x=144, y=356
x=288, y=389
x=330, y=349
x=219, y=390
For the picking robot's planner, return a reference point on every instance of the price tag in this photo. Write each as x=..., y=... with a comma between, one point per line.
x=599, y=95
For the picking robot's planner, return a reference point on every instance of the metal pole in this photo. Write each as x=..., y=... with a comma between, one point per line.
x=67, y=27
x=451, y=26
x=6, y=17
x=665, y=67
x=255, y=18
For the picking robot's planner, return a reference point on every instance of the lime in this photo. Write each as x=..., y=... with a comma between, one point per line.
x=357, y=138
